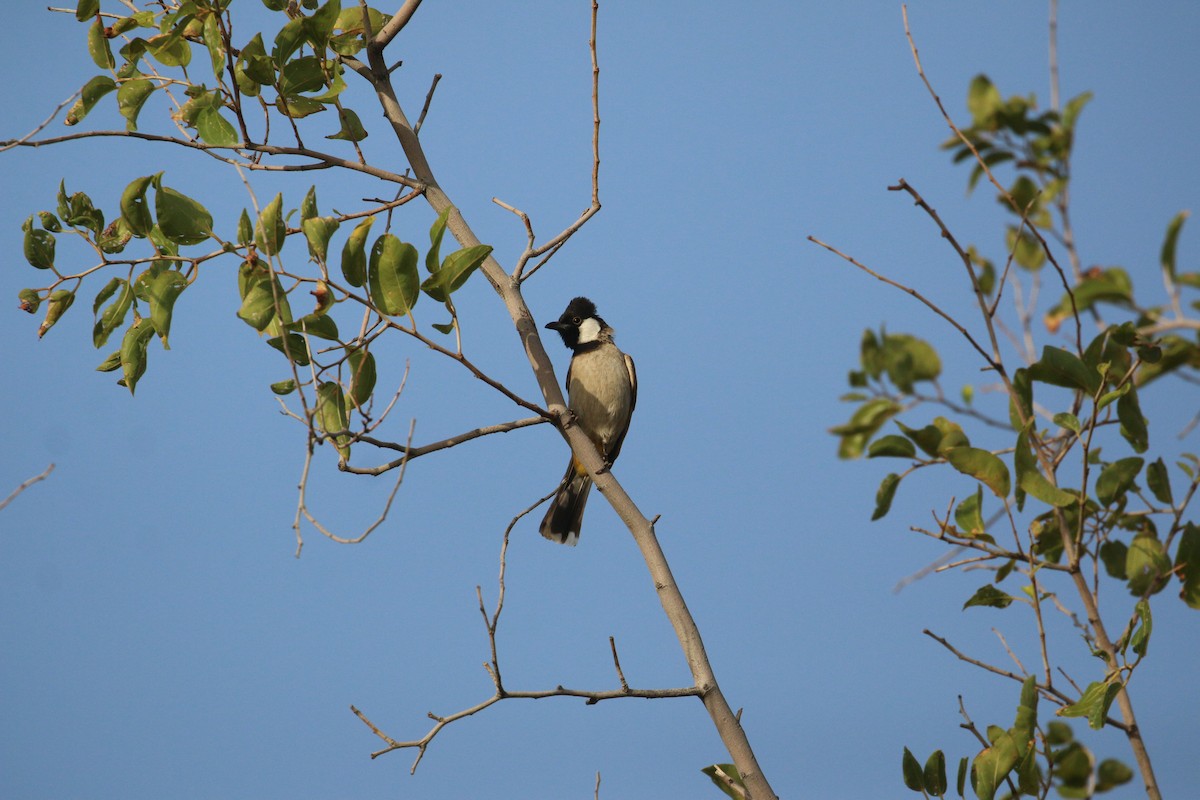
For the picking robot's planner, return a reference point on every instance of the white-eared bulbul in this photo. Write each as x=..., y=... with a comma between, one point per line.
x=602, y=391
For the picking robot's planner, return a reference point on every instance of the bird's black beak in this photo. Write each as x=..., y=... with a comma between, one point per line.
x=556, y=326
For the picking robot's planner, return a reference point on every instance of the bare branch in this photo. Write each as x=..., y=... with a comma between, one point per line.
x=416, y=452
x=1049, y=692
x=493, y=669
x=25, y=485
x=323, y=160
x=428, y=99
x=302, y=503
x=395, y=24
x=24, y=140
x=909, y=290
x=992, y=178
x=551, y=247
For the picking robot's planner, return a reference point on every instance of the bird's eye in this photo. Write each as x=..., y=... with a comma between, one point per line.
x=575, y=320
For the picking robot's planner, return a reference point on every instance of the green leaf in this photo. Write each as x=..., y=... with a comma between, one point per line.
x=727, y=779
x=213, y=129
x=86, y=9
x=1020, y=401
x=981, y=465
x=1061, y=368
x=883, y=497
x=1187, y=565
x=906, y=359
x=1058, y=733
x=1093, y=703
x=39, y=246
x=288, y=41
x=110, y=364
x=284, y=387
x=910, y=768
x=134, y=208
x=455, y=270
x=215, y=45
x=49, y=221
x=113, y=315
x=170, y=49
x=254, y=68
x=318, y=325
x=1108, y=398
x=1133, y=424
x=983, y=99
x=362, y=377
x=891, y=445
x=935, y=774
x=30, y=300
x=131, y=96
x=1116, y=479
x=436, y=232
x=245, y=229
x=320, y=24
x=961, y=782
x=1147, y=565
x=968, y=516
x=937, y=438
x=294, y=346
x=331, y=416
x=354, y=258
x=1114, y=553
x=1110, y=285
x=1068, y=421
x=163, y=289
x=98, y=47
x=133, y=352
x=1026, y=250
x=318, y=231
x=301, y=75
x=259, y=289
x=1141, y=635
x=56, y=305
x=352, y=129
x=308, y=206
x=180, y=218
x=298, y=107
x=270, y=232
x=392, y=275
x=89, y=95
x=1111, y=774
x=990, y=596
x=863, y=424
x=1167, y=256
x=1031, y=480
x=82, y=214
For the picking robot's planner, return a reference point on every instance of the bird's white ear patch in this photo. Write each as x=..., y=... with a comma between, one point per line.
x=589, y=330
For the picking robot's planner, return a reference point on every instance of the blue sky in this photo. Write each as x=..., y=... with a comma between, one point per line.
x=159, y=637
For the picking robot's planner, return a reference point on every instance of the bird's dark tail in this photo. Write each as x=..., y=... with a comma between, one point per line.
x=565, y=515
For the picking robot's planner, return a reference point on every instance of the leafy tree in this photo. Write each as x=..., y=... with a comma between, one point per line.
x=258, y=102
x=1071, y=496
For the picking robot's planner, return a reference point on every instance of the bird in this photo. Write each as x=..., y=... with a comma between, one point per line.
x=602, y=391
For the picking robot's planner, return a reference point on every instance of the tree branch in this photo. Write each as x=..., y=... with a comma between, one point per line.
x=416, y=452
x=25, y=485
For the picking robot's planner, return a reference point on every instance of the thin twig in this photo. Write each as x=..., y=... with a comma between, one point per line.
x=552, y=246
x=302, y=504
x=428, y=99
x=908, y=290
x=25, y=139
x=416, y=452
x=991, y=177
x=25, y=485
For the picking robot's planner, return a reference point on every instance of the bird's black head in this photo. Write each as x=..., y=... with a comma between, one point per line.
x=579, y=311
